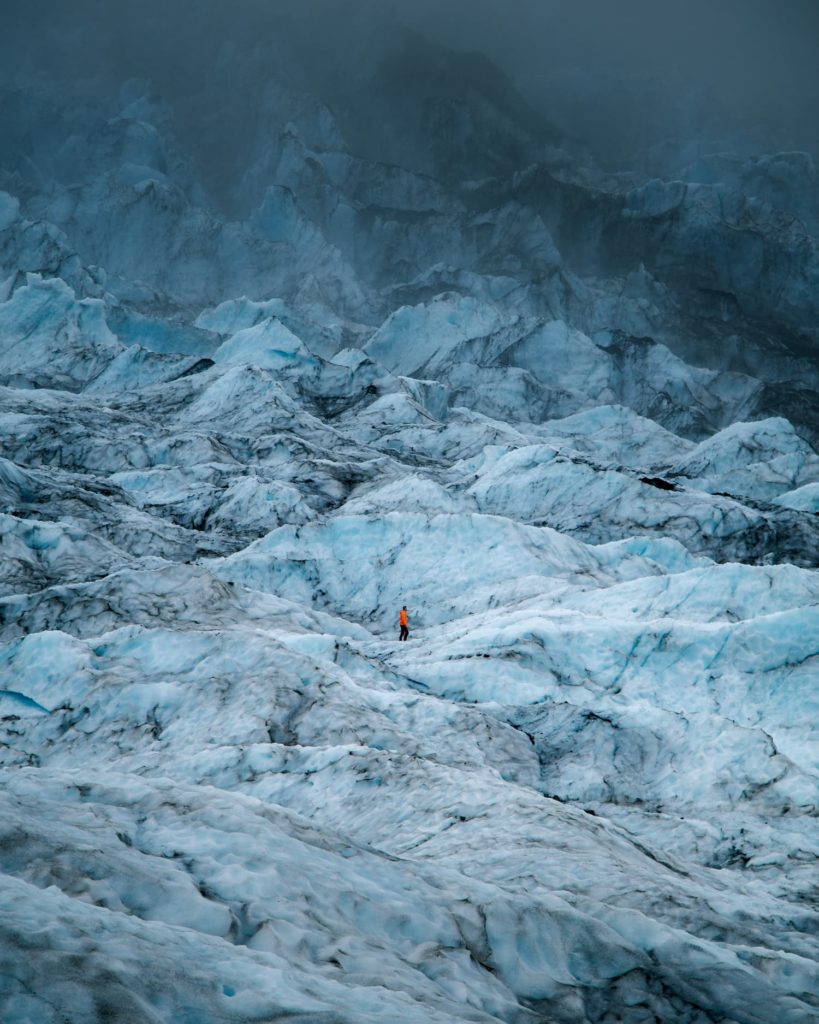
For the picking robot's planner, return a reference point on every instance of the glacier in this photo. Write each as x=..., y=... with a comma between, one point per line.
x=567, y=417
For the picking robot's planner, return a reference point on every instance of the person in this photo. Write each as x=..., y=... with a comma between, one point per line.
x=403, y=622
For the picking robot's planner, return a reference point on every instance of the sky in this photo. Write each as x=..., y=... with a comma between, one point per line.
x=617, y=73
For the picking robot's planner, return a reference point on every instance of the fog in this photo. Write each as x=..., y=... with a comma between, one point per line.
x=621, y=75
x=732, y=67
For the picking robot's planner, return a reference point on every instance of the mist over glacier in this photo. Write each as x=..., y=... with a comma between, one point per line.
x=509, y=315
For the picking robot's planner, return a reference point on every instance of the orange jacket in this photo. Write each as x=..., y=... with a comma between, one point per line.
x=402, y=617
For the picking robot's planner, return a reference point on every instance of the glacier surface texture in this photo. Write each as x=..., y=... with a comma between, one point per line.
x=254, y=401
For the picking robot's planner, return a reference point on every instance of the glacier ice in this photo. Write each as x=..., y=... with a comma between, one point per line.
x=567, y=417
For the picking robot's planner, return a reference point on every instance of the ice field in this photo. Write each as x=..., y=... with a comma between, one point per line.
x=232, y=447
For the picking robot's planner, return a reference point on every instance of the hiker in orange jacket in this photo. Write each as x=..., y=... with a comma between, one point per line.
x=403, y=622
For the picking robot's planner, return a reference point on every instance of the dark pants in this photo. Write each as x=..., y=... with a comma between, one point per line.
x=404, y=633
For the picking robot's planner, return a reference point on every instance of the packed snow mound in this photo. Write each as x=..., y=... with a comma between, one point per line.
x=536, y=484
x=139, y=367
x=39, y=247
x=445, y=565
x=667, y=554
x=214, y=494
x=394, y=419
x=803, y=499
x=322, y=331
x=191, y=597
x=761, y=460
x=411, y=494
x=268, y=344
x=49, y=338
x=37, y=553
x=730, y=593
x=555, y=353
x=499, y=361
x=416, y=341
x=616, y=434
